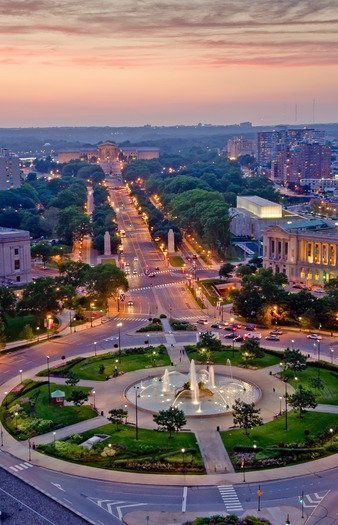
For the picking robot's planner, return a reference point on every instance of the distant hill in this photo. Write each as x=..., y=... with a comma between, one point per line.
x=32, y=141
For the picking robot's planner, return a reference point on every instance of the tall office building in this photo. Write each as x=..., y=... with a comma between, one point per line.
x=9, y=170
x=240, y=146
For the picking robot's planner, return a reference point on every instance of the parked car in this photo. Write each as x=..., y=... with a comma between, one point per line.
x=202, y=321
x=272, y=337
x=318, y=290
x=157, y=268
x=276, y=332
x=134, y=271
x=237, y=325
x=130, y=303
x=314, y=336
x=238, y=338
x=223, y=323
x=151, y=275
x=214, y=326
x=251, y=327
x=298, y=286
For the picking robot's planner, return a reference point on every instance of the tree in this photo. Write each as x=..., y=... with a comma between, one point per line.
x=170, y=420
x=226, y=270
x=71, y=380
x=209, y=341
x=107, y=279
x=73, y=224
x=246, y=415
x=74, y=273
x=78, y=397
x=27, y=332
x=117, y=415
x=250, y=350
x=302, y=399
x=294, y=360
x=317, y=382
x=39, y=297
x=7, y=303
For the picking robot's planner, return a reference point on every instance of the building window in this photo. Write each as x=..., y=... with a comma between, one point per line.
x=16, y=251
x=317, y=275
x=17, y=264
x=286, y=249
x=309, y=274
x=302, y=273
x=18, y=278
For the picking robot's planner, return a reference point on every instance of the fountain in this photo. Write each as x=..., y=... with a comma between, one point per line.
x=229, y=368
x=207, y=394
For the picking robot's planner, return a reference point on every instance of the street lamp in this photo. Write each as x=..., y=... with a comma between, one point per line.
x=110, y=454
x=183, y=452
x=91, y=314
x=48, y=378
x=292, y=343
x=95, y=348
x=119, y=327
x=54, y=434
x=37, y=332
x=20, y=376
x=318, y=362
x=116, y=367
x=94, y=400
x=280, y=405
x=286, y=402
x=148, y=341
x=233, y=348
x=126, y=411
x=136, y=388
x=331, y=351
x=16, y=420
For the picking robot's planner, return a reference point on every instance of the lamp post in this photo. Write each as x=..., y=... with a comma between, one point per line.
x=54, y=434
x=148, y=341
x=136, y=388
x=48, y=378
x=292, y=344
x=183, y=452
x=110, y=453
x=37, y=332
x=91, y=314
x=70, y=321
x=95, y=348
x=29, y=449
x=318, y=362
x=331, y=352
x=119, y=327
x=280, y=405
x=16, y=421
x=286, y=402
x=233, y=348
x=101, y=316
x=20, y=376
x=331, y=432
x=94, y=400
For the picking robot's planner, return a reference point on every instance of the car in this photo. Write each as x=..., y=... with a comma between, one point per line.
x=223, y=323
x=188, y=258
x=135, y=258
x=151, y=275
x=314, y=336
x=298, y=286
x=318, y=290
x=157, y=268
x=230, y=336
x=130, y=303
x=230, y=328
x=126, y=263
x=272, y=337
x=251, y=327
x=214, y=326
x=276, y=332
x=134, y=271
x=237, y=325
x=194, y=257
x=257, y=335
x=202, y=321
x=238, y=338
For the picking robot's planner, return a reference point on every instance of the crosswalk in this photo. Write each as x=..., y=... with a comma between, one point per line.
x=21, y=466
x=230, y=498
x=156, y=286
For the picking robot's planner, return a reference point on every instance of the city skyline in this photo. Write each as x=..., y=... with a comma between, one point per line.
x=166, y=63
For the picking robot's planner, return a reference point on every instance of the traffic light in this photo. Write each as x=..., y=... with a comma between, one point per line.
x=287, y=521
x=301, y=499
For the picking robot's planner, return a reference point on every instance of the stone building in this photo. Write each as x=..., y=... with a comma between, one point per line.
x=308, y=257
x=15, y=257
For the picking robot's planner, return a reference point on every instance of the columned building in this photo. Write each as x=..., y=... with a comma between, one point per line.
x=305, y=257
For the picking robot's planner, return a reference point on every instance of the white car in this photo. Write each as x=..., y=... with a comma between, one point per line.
x=202, y=321
x=135, y=258
x=253, y=335
x=134, y=271
x=314, y=336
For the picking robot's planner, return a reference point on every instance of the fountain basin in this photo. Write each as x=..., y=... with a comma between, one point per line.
x=160, y=393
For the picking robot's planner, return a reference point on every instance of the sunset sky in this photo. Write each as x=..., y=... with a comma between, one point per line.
x=164, y=62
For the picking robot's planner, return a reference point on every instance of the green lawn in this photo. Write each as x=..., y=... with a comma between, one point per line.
x=22, y=425
x=90, y=368
x=176, y=261
x=220, y=358
x=15, y=325
x=152, y=452
x=329, y=395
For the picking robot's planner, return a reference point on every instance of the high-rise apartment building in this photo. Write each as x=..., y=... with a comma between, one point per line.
x=269, y=143
x=9, y=170
x=302, y=161
x=238, y=146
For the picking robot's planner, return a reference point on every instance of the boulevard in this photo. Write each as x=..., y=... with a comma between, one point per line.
x=109, y=500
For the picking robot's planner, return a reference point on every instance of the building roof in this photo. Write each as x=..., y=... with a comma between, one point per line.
x=259, y=201
x=57, y=393
x=314, y=224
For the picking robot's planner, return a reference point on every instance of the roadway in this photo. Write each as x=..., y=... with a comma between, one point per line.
x=109, y=501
